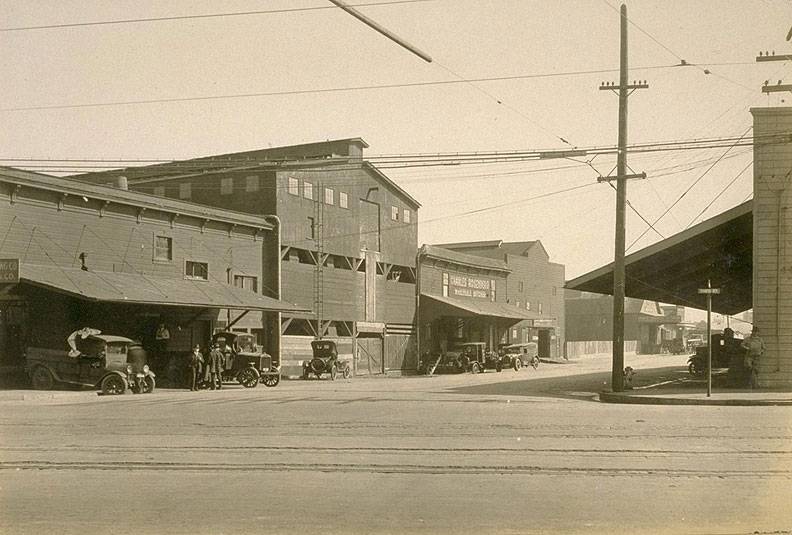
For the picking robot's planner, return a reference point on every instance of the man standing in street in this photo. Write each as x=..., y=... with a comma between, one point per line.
x=215, y=367
x=755, y=348
x=195, y=364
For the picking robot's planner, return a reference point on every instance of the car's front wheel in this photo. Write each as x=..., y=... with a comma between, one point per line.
x=333, y=372
x=517, y=364
x=113, y=385
x=347, y=372
x=474, y=368
x=148, y=384
x=270, y=380
x=42, y=378
x=248, y=378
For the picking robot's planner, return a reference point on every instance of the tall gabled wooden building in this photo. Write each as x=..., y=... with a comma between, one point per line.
x=348, y=241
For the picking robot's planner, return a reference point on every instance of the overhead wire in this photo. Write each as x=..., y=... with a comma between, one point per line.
x=203, y=16
x=726, y=187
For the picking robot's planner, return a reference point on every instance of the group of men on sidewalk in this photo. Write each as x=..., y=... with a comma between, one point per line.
x=209, y=369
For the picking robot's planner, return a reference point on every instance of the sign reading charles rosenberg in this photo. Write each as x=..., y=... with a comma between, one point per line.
x=9, y=270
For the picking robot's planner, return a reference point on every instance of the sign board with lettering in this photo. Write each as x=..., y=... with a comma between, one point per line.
x=470, y=287
x=9, y=271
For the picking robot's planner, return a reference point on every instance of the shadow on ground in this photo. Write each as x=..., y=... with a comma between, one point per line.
x=582, y=386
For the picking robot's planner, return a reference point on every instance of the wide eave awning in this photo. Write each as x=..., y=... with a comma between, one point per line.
x=469, y=307
x=136, y=288
x=672, y=271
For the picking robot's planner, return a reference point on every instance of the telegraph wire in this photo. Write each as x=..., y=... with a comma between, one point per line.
x=722, y=191
x=688, y=189
x=205, y=16
x=320, y=90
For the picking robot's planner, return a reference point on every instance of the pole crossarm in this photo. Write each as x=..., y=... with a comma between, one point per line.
x=776, y=88
x=779, y=57
x=618, y=177
x=615, y=87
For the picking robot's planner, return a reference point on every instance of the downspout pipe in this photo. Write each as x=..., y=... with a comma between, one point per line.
x=418, y=256
x=276, y=222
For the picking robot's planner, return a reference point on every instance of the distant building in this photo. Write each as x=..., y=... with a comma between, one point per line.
x=348, y=241
x=589, y=324
x=534, y=284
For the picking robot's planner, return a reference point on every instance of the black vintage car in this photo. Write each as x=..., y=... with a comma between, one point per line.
x=727, y=352
x=110, y=363
x=246, y=362
x=325, y=360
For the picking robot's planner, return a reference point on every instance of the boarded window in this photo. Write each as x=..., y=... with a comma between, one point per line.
x=294, y=186
x=251, y=183
x=407, y=215
x=226, y=186
x=196, y=270
x=163, y=248
x=185, y=190
x=343, y=200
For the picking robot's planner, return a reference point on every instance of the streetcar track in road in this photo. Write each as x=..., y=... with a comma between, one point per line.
x=111, y=449
x=393, y=469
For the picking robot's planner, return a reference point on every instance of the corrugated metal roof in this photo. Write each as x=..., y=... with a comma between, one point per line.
x=464, y=259
x=137, y=288
x=484, y=308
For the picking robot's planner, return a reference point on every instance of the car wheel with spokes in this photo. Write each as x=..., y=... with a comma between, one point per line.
x=474, y=368
x=148, y=384
x=270, y=380
x=248, y=378
x=333, y=372
x=535, y=362
x=347, y=372
x=42, y=378
x=112, y=385
x=517, y=364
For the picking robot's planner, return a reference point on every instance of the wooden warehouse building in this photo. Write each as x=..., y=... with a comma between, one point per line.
x=348, y=241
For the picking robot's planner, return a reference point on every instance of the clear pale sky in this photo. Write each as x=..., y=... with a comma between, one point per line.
x=327, y=48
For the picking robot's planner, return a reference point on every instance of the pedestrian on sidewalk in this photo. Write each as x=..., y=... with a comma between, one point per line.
x=194, y=366
x=754, y=347
x=214, y=366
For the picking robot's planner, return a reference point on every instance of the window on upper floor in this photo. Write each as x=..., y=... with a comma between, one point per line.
x=540, y=307
x=308, y=190
x=196, y=270
x=394, y=213
x=554, y=290
x=407, y=215
x=247, y=282
x=492, y=290
x=520, y=286
x=329, y=196
x=185, y=190
x=527, y=305
x=445, y=284
x=226, y=186
x=518, y=304
x=251, y=183
x=343, y=200
x=163, y=248
x=159, y=191
x=310, y=229
x=294, y=186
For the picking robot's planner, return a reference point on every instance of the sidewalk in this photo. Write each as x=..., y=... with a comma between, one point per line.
x=694, y=392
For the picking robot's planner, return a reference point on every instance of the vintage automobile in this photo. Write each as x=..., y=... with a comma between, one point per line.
x=518, y=355
x=325, y=360
x=695, y=341
x=110, y=363
x=470, y=357
x=726, y=353
x=245, y=361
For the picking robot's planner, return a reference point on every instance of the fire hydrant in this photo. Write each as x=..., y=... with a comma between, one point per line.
x=628, y=377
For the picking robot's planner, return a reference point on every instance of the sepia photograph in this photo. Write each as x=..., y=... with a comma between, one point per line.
x=374, y=267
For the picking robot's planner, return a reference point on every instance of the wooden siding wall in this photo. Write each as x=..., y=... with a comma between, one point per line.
x=297, y=349
x=432, y=278
x=36, y=231
x=398, y=240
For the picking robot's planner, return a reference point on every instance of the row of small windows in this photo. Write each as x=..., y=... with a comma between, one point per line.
x=252, y=183
x=343, y=198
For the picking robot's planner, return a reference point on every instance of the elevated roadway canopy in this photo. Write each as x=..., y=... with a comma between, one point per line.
x=671, y=271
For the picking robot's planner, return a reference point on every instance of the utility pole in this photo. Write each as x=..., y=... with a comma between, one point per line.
x=624, y=91
x=318, y=236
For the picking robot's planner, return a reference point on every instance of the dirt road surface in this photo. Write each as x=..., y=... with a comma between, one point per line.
x=511, y=452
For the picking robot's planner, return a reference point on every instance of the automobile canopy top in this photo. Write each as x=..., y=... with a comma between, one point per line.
x=672, y=271
x=137, y=288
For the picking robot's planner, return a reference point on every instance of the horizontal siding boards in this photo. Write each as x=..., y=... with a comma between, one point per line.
x=297, y=349
x=591, y=348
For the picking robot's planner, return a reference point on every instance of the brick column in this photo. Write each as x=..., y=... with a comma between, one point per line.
x=772, y=246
